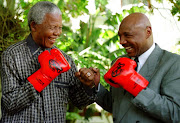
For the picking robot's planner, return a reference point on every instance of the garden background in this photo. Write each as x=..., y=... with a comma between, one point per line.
x=90, y=34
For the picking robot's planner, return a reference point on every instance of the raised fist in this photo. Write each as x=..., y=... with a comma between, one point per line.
x=52, y=64
x=123, y=74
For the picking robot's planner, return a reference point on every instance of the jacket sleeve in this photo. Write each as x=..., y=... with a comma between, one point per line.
x=104, y=98
x=164, y=105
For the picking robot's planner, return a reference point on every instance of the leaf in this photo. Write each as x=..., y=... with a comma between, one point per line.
x=73, y=116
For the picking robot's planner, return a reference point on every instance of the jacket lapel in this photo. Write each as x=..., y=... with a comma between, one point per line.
x=151, y=65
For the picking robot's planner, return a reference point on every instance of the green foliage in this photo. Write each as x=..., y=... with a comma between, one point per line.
x=176, y=12
x=72, y=7
x=176, y=8
x=71, y=116
x=90, y=111
x=92, y=45
x=136, y=9
x=11, y=26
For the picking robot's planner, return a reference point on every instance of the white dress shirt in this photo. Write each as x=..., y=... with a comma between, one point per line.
x=142, y=58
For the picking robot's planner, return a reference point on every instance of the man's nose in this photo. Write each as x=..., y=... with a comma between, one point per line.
x=57, y=32
x=123, y=40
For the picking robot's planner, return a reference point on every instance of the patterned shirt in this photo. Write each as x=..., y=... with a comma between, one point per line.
x=21, y=103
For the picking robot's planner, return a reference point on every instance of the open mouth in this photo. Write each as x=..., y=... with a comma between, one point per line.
x=128, y=49
x=53, y=40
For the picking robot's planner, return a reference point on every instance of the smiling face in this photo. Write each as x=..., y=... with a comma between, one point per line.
x=135, y=34
x=46, y=33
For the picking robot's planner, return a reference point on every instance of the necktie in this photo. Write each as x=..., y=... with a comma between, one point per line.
x=136, y=60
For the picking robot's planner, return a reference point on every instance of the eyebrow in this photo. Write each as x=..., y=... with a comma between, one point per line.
x=129, y=33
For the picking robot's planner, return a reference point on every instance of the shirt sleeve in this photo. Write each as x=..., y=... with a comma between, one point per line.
x=77, y=93
x=16, y=93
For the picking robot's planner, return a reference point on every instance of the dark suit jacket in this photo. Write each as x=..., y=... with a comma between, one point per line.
x=159, y=102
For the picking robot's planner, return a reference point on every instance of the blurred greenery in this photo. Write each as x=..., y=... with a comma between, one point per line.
x=94, y=44
x=176, y=8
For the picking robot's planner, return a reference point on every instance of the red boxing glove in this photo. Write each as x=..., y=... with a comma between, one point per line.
x=122, y=74
x=51, y=66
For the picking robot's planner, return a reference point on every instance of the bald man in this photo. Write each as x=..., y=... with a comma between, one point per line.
x=159, y=101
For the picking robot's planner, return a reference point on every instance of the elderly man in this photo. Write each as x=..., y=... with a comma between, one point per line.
x=37, y=78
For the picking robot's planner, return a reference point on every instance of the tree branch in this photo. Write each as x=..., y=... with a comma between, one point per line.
x=176, y=5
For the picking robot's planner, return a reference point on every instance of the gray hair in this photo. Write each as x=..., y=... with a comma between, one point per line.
x=39, y=10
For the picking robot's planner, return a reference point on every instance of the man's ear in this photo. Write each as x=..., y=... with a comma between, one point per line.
x=148, y=31
x=33, y=26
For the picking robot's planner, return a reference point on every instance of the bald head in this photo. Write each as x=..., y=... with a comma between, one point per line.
x=136, y=34
x=136, y=20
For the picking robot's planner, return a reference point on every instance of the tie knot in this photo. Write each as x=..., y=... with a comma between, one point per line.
x=136, y=60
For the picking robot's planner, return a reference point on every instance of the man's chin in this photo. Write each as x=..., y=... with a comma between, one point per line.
x=49, y=46
x=131, y=54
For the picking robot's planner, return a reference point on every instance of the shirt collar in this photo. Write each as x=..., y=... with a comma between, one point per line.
x=142, y=58
x=34, y=48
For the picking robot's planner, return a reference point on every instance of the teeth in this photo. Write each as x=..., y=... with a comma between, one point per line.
x=52, y=39
x=128, y=48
